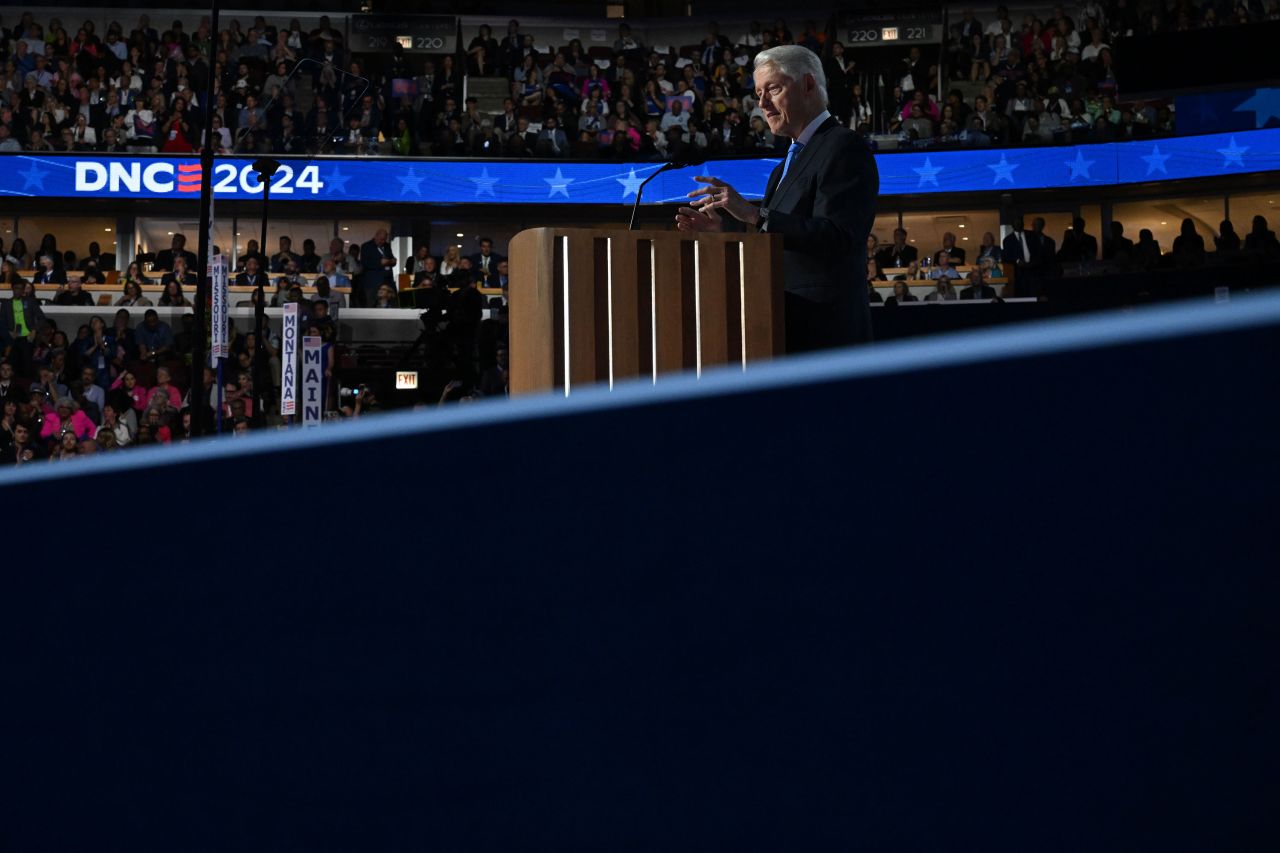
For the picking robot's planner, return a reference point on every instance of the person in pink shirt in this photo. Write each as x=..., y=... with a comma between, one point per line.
x=66, y=414
x=171, y=391
x=136, y=393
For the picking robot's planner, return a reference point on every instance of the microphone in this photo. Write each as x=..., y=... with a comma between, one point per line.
x=665, y=167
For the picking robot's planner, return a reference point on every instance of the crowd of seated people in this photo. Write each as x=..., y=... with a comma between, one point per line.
x=112, y=386
x=1041, y=80
x=73, y=88
x=52, y=385
x=1030, y=256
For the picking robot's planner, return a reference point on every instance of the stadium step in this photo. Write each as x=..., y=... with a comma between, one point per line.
x=488, y=92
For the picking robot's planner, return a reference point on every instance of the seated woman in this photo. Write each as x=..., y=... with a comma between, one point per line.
x=133, y=297
x=281, y=296
x=386, y=297
x=991, y=269
x=164, y=385
x=65, y=416
x=912, y=274
x=120, y=428
x=989, y=249
x=173, y=296
x=134, y=394
x=944, y=292
x=68, y=447
x=153, y=425
x=901, y=293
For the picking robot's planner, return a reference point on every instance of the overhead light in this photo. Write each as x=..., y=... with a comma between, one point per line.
x=459, y=234
x=170, y=233
x=964, y=238
x=1164, y=223
x=345, y=228
x=961, y=224
x=108, y=230
x=237, y=233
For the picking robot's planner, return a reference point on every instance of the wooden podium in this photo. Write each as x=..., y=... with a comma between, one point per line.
x=602, y=305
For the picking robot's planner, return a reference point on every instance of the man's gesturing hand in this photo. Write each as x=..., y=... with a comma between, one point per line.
x=718, y=195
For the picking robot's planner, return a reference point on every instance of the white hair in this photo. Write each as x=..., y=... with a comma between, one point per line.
x=795, y=61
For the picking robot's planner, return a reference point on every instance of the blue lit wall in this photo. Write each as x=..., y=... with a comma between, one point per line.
x=501, y=182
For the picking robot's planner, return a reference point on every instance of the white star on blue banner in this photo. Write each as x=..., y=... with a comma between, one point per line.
x=1155, y=161
x=928, y=172
x=1233, y=155
x=559, y=184
x=1003, y=170
x=484, y=183
x=387, y=180
x=1080, y=166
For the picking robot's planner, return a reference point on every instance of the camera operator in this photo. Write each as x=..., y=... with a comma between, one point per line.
x=357, y=401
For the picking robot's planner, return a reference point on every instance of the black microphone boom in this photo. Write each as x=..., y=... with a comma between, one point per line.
x=665, y=167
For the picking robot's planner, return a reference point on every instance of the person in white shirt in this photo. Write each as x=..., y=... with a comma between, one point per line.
x=1094, y=47
x=753, y=37
x=676, y=118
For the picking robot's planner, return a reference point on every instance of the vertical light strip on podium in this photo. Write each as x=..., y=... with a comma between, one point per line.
x=697, y=306
x=742, y=299
x=608, y=254
x=653, y=308
x=564, y=266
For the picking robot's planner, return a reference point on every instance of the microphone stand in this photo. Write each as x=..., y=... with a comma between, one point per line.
x=665, y=167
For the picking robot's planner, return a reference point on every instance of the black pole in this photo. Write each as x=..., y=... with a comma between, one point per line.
x=203, y=285
x=266, y=169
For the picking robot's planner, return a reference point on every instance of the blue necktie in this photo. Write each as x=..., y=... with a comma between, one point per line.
x=796, y=148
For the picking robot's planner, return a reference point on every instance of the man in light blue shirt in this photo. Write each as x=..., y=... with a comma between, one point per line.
x=943, y=269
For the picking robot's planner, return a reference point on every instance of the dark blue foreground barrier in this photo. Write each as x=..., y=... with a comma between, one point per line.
x=1004, y=591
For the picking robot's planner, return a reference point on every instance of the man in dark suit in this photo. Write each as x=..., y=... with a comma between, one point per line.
x=177, y=248
x=978, y=287
x=821, y=199
x=49, y=272
x=377, y=262
x=1033, y=254
x=252, y=276
x=484, y=263
x=951, y=250
x=1044, y=250
x=1077, y=246
x=900, y=254
x=1119, y=247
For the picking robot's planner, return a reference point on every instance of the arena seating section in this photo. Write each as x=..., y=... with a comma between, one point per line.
x=1008, y=79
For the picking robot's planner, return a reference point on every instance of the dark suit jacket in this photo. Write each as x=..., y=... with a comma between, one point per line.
x=1122, y=247
x=986, y=291
x=1011, y=249
x=374, y=273
x=164, y=259
x=1044, y=249
x=477, y=272
x=242, y=280
x=53, y=276
x=824, y=211
x=891, y=258
x=957, y=256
